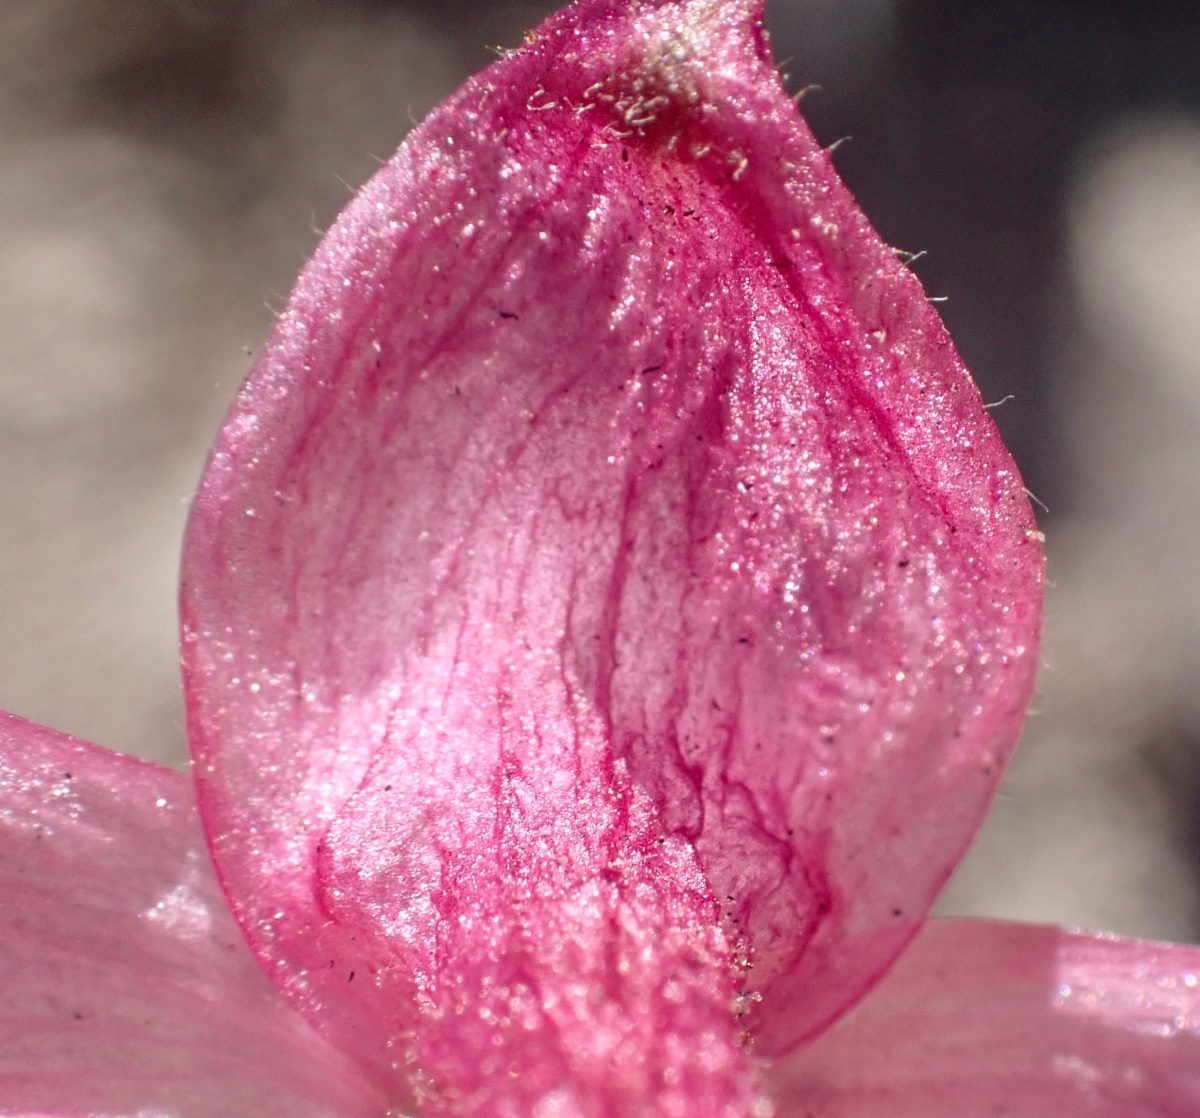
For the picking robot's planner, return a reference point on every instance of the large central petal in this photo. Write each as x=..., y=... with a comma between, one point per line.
x=608, y=607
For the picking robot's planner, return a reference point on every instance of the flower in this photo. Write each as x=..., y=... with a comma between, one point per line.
x=606, y=614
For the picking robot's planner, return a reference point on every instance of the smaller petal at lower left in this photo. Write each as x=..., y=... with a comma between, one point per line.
x=125, y=985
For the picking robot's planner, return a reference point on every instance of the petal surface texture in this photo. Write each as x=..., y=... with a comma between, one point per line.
x=608, y=607
x=127, y=986
x=984, y=1018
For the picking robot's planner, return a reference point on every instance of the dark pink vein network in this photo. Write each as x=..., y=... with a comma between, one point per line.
x=608, y=608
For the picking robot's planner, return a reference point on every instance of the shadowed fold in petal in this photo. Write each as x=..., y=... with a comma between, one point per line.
x=608, y=608
x=127, y=987
x=985, y=1018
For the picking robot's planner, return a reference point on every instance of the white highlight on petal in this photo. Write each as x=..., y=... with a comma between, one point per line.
x=182, y=912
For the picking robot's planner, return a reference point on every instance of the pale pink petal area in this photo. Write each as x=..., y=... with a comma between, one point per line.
x=983, y=1018
x=607, y=602
x=125, y=985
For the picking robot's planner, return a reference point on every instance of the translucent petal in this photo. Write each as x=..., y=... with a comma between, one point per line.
x=127, y=987
x=608, y=601
x=981, y=1019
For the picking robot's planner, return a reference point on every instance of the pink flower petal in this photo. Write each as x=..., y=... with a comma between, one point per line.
x=127, y=988
x=984, y=1018
x=607, y=582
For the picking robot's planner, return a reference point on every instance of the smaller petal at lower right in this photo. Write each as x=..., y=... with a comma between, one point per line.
x=984, y=1018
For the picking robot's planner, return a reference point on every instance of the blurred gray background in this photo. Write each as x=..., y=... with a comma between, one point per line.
x=165, y=166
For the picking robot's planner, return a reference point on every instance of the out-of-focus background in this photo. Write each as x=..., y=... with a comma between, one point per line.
x=166, y=165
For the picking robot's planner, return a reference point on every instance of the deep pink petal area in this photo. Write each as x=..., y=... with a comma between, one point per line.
x=984, y=1018
x=126, y=986
x=608, y=596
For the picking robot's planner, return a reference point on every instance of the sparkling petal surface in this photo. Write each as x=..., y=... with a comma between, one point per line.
x=985, y=1018
x=607, y=603
x=127, y=986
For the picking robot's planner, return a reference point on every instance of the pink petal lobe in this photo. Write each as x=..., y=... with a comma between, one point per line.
x=607, y=603
x=127, y=987
x=981, y=1018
